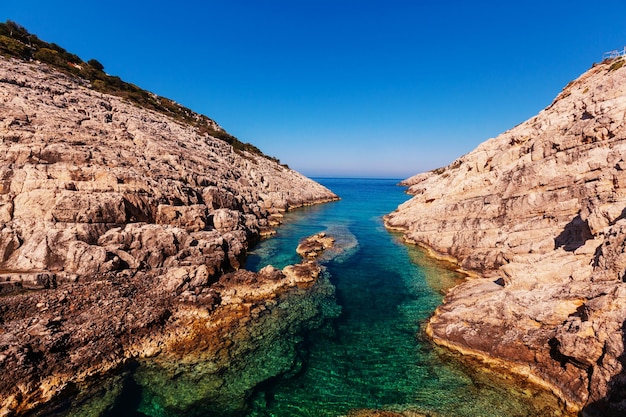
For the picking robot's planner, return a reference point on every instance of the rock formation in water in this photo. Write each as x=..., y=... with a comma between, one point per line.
x=538, y=215
x=122, y=231
x=314, y=246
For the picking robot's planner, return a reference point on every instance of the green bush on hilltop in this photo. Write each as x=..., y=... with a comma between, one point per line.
x=10, y=46
x=19, y=33
x=95, y=64
x=17, y=42
x=619, y=63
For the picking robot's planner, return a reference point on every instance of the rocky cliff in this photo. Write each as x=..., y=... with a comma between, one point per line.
x=537, y=215
x=117, y=225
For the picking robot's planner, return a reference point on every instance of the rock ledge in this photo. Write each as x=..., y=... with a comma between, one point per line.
x=122, y=232
x=537, y=215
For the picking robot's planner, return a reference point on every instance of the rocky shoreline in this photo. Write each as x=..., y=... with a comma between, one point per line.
x=122, y=235
x=191, y=355
x=536, y=215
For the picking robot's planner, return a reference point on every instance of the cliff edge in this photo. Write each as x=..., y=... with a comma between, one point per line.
x=537, y=215
x=122, y=234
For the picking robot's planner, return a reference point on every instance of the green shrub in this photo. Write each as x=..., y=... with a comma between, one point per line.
x=617, y=64
x=99, y=85
x=16, y=41
x=9, y=46
x=15, y=31
x=49, y=56
x=95, y=64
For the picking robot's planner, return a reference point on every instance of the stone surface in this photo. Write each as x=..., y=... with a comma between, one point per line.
x=537, y=214
x=209, y=362
x=314, y=246
x=117, y=226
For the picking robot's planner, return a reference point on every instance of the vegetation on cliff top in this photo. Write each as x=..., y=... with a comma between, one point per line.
x=17, y=42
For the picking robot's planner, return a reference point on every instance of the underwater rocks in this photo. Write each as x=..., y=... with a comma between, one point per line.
x=204, y=351
x=201, y=351
x=380, y=413
x=537, y=217
x=211, y=363
x=116, y=223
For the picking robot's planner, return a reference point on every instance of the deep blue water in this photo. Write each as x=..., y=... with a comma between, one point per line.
x=376, y=356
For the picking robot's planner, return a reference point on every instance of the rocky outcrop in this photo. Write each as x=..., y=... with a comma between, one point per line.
x=314, y=246
x=209, y=363
x=200, y=352
x=537, y=216
x=117, y=227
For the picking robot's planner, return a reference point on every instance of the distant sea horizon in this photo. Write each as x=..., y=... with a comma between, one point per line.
x=330, y=177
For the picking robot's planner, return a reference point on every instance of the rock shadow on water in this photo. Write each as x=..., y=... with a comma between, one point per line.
x=127, y=404
x=115, y=394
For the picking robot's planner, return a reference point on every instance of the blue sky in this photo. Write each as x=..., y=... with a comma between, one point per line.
x=343, y=88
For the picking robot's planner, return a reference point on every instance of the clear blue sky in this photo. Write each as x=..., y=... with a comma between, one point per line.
x=343, y=88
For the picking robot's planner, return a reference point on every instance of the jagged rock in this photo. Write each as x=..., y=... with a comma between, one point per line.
x=191, y=218
x=539, y=210
x=226, y=220
x=116, y=224
x=261, y=319
x=216, y=198
x=313, y=246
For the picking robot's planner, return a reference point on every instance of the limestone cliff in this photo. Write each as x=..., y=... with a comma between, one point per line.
x=117, y=225
x=538, y=214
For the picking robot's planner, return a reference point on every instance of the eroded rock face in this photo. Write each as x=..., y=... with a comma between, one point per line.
x=198, y=353
x=538, y=213
x=210, y=363
x=77, y=163
x=116, y=225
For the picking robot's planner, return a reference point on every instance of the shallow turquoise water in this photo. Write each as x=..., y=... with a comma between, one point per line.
x=375, y=357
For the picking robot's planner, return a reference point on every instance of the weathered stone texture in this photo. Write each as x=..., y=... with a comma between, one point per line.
x=540, y=211
x=113, y=221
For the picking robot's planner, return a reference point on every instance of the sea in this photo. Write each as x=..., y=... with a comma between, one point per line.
x=377, y=356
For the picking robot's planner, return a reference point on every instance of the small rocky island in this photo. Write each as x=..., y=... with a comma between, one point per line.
x=536, y=216
x=124, y=222
x=314, y=246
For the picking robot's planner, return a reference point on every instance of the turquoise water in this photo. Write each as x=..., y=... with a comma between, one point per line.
x=375, y=356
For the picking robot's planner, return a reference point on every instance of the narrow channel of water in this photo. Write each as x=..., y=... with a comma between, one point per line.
x=375, y=357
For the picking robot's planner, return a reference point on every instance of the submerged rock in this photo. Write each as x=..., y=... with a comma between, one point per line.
x=117, y=225
x=536, y=215
x=381, y=413
x=211, y=363
x=201, y=353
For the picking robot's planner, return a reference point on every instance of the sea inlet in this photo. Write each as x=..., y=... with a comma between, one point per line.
x=374, y=354
x=363, y=350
